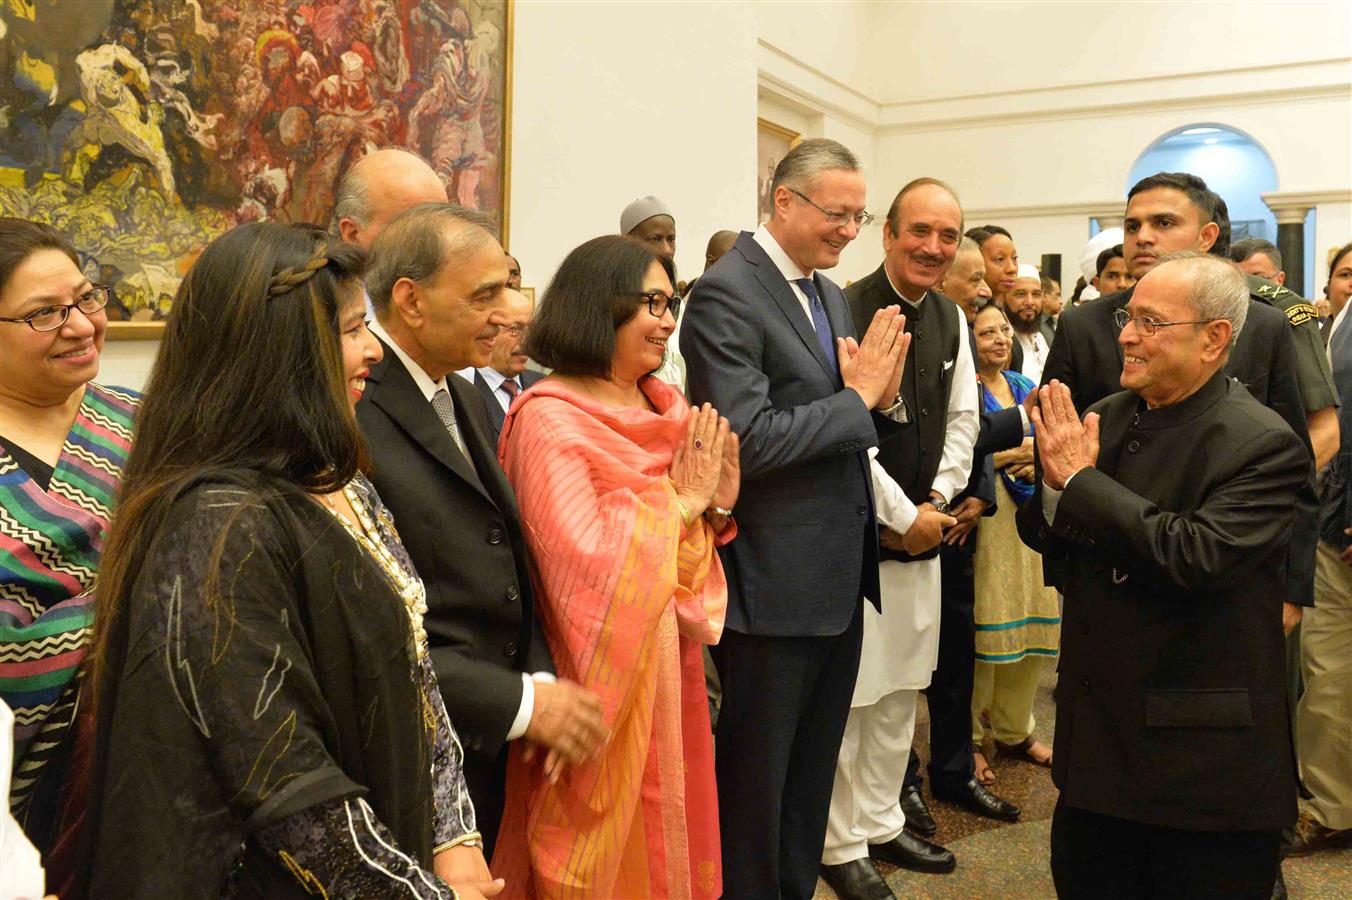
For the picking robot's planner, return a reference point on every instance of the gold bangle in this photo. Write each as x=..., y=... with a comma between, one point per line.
x=473, y=839
x=686, y=518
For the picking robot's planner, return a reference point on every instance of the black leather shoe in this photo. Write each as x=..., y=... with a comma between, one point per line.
x=975, y=797
x=918, y=818
x=857, y=880
x=912, y=852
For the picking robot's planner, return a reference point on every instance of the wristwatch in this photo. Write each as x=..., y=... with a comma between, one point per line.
x=940, y=504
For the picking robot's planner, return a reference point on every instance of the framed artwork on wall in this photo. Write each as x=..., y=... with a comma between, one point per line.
x=772, y=142
x=143, y=129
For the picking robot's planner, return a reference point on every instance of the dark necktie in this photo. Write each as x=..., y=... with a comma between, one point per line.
x=819, y=320
x=512, y=389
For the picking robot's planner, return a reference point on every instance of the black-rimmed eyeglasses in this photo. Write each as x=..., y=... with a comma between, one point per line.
x=50, y=318
x=1147, y=325
x=659, y=303
x=838, y=219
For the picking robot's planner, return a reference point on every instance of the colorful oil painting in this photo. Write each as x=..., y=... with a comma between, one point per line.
x=145, y=128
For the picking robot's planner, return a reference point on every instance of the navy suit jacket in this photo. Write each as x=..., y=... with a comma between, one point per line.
x=807, y=544
x=493, y=406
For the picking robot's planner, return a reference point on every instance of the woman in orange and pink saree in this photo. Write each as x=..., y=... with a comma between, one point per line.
x=625, y=493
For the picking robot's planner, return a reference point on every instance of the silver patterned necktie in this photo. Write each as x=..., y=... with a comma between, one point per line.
x=441, y=402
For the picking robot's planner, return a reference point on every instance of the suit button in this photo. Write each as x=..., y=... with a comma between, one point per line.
x=922, y=371
x=476, y=743
x=510, y=649
x=513, y=593
x=924, y=451
x=860, y=510
x=923, y=410
x=918, y=335
x=1136, y=419
x=1133, y=446
x=495, y=535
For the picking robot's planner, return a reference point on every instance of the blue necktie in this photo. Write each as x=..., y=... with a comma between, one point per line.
x=819, y=320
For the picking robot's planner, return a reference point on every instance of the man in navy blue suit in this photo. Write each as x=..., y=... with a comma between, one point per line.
x=768, y=340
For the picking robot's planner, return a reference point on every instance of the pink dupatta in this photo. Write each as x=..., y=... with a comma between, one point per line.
x=626, y=596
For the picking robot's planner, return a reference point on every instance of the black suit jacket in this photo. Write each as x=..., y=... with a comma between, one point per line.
x=463, y=533
x=807, y=543
x=1171, y=698
x=1087, y=358
x=492, y=406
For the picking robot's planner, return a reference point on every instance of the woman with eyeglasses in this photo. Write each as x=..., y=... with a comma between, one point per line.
x=267, y=720
x=625, y=492
x=1018, y=619
x=63, y=444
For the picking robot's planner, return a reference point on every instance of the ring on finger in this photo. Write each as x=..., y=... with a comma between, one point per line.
x=699, y=443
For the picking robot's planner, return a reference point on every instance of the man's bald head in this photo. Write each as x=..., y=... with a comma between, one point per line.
x=719, y=244
x=378, y=187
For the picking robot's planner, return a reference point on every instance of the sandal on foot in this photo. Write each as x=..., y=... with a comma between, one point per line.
x=984, y=774
x=1023, y=749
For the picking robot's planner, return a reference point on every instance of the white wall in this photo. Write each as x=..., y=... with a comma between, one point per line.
x=614, y=101
x=1029, y=107
x=998, y=47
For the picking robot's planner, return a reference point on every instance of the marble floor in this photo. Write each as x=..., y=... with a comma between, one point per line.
x=1000, y=860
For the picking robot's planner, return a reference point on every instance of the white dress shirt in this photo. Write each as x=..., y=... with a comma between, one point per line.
x=428, y=388
x=787, y=267
x=1034, y=354
x=495, y=380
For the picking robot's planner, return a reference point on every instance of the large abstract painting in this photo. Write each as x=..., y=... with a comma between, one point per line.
x=145, y=128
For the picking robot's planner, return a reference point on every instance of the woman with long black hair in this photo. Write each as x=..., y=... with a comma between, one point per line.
x=267, y=723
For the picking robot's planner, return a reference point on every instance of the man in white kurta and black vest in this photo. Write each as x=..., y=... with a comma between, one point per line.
x=915, y=476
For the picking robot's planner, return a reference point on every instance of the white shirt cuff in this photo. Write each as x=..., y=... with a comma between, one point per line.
x=1051, y=497
x=527, y=708
x=1023, y=417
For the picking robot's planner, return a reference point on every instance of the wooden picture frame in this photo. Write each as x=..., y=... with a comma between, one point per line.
x=772, y=142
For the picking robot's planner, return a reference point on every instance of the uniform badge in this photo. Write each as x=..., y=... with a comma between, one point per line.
x=1300, y=313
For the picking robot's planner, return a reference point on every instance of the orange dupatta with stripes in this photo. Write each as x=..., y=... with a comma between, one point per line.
x=625, y=600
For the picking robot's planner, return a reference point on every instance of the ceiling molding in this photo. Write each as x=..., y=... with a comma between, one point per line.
x=786, y=91
x=1102, y=209
x=1279, y=72
x=1110, y=109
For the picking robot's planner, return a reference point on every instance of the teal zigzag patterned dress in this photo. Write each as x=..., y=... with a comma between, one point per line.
x=50, y=543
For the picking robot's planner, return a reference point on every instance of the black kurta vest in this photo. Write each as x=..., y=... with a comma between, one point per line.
x=912, y=457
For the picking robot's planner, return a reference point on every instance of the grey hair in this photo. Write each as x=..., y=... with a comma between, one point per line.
x=800, y=167
x=967, y=245
x=1216, y=288
x=418, y=243
x=1242, y=250
x=352, y=197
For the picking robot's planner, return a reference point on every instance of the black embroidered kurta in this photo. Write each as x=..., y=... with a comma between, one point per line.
x=263, y=686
